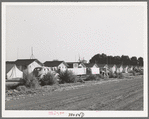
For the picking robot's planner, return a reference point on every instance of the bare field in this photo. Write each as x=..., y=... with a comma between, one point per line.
x=118, y=94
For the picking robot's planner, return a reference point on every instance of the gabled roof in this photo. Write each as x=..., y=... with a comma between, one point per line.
x=70, y=64
x=118, y=66
x=124, y=66
x=26, y=62
x=90, y=64
x=82, y=64
x=130, y=66
x=111, y=65
x=54, y=63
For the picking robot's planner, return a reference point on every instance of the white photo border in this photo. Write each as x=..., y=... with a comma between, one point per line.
x=12, y=113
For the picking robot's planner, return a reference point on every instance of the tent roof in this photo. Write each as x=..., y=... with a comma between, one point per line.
x=9, y=66
x=53, y=63
x=26, y=61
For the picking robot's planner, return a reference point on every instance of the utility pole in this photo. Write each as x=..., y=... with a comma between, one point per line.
x=79, y=57
x=32, y=55
x=17, y=52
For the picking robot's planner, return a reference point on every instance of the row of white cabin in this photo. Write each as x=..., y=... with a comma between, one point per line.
x=82, y=68
x=28, y=65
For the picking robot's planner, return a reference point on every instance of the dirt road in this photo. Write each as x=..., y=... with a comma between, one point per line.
x=125, y=94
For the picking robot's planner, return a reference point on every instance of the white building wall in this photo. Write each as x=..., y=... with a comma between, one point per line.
x=95, y=70
x=78, y=71
x=32, y=66
x=62, y=67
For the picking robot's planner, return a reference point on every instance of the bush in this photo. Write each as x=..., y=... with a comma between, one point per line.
x=112, y=75
x=100, y=76
x=10, y=87
x=115, y=75
x=67, y=77
x=94, y=77
x=88, y=71
x=119, y=75
x=49, y=79
x=31, y=81
x=141, y=72
x=21, y=88
x=133, y=73
x=91, y=77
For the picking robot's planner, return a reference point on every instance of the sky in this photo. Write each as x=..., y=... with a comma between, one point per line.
x=65, y=32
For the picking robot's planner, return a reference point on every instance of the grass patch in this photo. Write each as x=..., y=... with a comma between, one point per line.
x=133, y=73
x=116, y=75
x=94, y=77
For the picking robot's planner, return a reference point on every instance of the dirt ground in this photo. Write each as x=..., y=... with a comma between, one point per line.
x=118, y=94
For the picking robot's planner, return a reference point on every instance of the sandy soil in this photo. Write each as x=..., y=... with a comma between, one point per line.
x=118, y=94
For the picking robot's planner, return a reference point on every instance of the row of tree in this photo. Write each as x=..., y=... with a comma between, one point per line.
x=124, y=59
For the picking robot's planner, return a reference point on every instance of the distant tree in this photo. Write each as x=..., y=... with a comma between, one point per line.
x=96, y=59
x=110, y=59
x=117, y=60
x=125, y=60
x=140, y=61
x=134, y=60
x=104, y=58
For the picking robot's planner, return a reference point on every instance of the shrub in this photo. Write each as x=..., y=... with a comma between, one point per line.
x=133, y=73
x=112, y=75
x=81, y=80
x=88, y=71
x=93, y=77
x=31, y=81
x=49, y=79
x=21, y=88
x=10, y=87
x=67, y=77
x=119, y=75
x=100, y=76
x=141, y=72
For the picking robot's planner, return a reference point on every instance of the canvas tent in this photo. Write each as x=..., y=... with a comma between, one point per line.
x=12, y=72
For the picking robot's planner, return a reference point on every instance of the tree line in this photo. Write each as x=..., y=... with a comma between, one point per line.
x=124, y=60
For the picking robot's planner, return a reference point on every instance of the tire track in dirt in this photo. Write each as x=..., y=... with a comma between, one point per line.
x=60, y=101
x=69, y=100
x=89, y=103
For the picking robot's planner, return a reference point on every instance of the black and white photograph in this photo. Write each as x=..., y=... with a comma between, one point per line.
x=74, y=59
